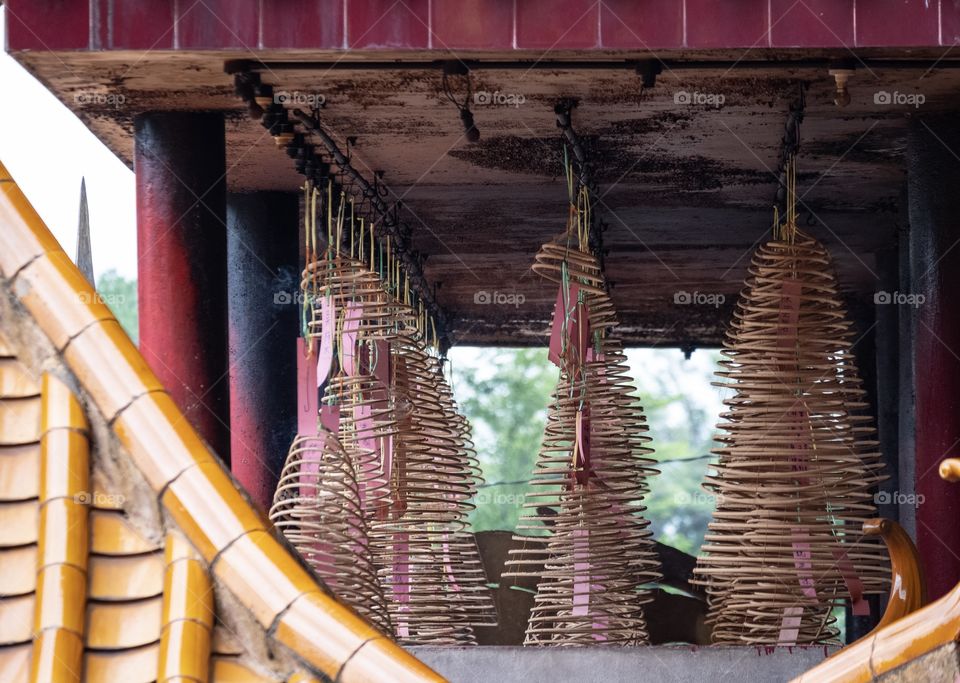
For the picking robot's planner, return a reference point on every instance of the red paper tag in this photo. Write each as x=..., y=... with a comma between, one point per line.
x=858, y=604
x=330, y=418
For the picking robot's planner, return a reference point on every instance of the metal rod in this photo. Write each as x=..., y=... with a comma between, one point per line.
x=387, y=223
x=563, y=111
x=789, y=146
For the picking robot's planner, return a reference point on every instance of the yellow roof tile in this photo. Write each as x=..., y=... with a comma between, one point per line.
x=159, y=439
x=16, y=619
x=257, y=559
x=18, y=569
x=124, y=666
x=112, y=534
x=19, y=421
x=109, y=366
x=19, y=472
x=206, y=504
x=48, y=281
x=15, y=663
x=229, y=670
x=126, y=577
x=15, y=380
x=121, y=625
x=18, y=523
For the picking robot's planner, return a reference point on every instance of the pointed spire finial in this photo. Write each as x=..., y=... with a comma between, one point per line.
x=84, y=251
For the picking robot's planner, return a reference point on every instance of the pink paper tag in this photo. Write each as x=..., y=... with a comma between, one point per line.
x=790, y=626
x=558, y=331
x=328, y=324
x=307, y=398
x=351, y=327
x=583, y=582
x=802, y=560
x=858, y=604
x=582, y=446
x=401, y=584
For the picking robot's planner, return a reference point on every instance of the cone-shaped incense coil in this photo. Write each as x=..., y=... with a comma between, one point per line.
x=798, y=460
x=401, y=430
x=317, y=508
x=590, y=477
x=432, y=567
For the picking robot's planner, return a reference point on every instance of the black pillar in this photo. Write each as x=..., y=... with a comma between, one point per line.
x=263, y=286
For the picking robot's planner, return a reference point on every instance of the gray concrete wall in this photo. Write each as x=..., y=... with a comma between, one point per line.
x=613, y=665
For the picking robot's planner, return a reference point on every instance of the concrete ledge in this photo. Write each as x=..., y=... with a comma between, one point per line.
x=661, y=664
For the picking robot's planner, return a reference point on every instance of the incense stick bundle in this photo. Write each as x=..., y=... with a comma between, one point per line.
x=798, y=461
x=399, y=426
x=317, y=508
x=591, y=473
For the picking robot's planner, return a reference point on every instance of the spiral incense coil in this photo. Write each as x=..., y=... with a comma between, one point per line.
x=366, y=425
x=554, y=260
x=401, y=432
x=317, y=508
x=798, y=461
x=349, y=281
x=433, y=570
x=599, y=554
x=597, y=524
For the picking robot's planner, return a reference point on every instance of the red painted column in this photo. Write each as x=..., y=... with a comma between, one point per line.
x=180, y=164
x=933, y=173
x=263, y=281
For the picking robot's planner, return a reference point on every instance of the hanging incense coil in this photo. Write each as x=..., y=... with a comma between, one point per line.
x=798, y=461
x=317, y=508
x=365, y=425
x=401, y=430
x=350, y=281
x=599, y=554
x=429, y=560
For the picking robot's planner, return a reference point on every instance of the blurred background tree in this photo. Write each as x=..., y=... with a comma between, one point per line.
x=505, y=392
x=120, y=294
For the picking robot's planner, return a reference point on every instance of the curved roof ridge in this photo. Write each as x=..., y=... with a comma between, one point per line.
x=191, y=483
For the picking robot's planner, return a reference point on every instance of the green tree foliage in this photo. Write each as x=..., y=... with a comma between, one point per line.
x=120, y=294
x=505, y=392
